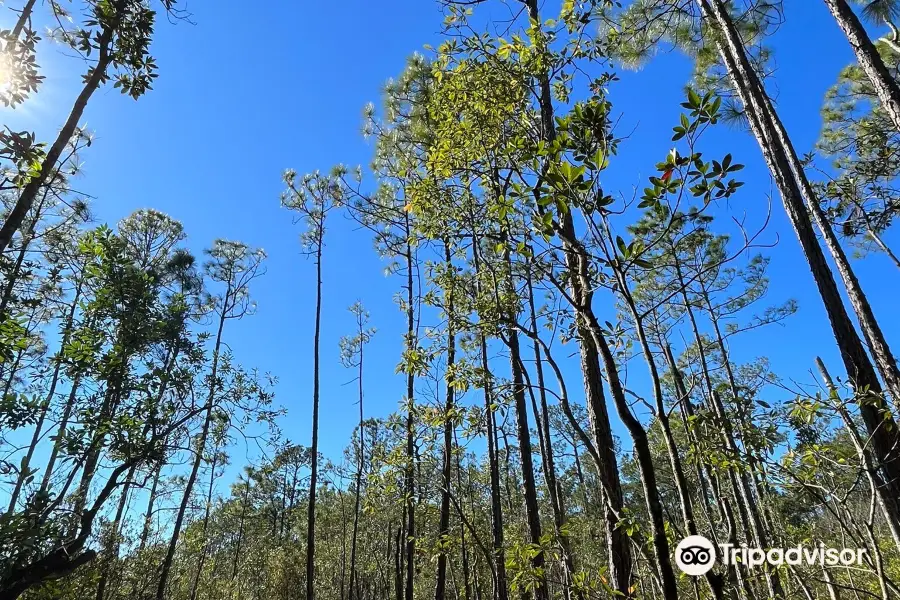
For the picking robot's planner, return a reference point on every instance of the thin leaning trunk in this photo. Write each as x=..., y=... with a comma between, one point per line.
x=203, y=551
x=240, y=538
x=151, y=501
x=20, y=258
x=61, y=433
x=709, y=485
x=773, y=142
x=464, y=551
x=723, y=424
x=45, y=406
x=198, y=459
x=644, y=456
x=879, y=241
x=888, y=509
x=868, y=58
x=662, y=416
x=618, y=544
x=109, y=407
x=93, y=81
x=113, y=553
x=398, y=561
x=748, y=505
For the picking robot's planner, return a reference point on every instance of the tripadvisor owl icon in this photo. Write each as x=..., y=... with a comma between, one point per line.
x=695, y=555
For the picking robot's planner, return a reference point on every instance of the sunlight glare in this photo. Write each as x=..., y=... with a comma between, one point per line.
x=6, y=73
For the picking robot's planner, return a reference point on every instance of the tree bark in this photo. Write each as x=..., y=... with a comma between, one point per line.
x=868, y=58
x=198, y=459
x=542, y=418
x=447, y=467
x=774, y=145
x=523, y=434
x=687, y=510
x=360, y=465
x=500, y=589
x=410, y=547
x=314, y=448
x=618, y=544
x=195, y=585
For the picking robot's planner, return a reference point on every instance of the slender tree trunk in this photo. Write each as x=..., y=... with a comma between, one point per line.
x=523, y=434
x=26, y=242
x=868, y=58
x=618, y=544
x=709, y=486
x=725, y=430
x=754, y=504
x=61, y=433
x=13, y=278
x=743, y=494
x=314, y=449
x=500, y=587
x=151, y=502
x=410, y=428
x=198, y=459
x=833, y=591
x=13, y=370
x=879, y=241
x=112, y=396
x=113, y=553
x=171, y=360
x=532, y=512
x=542, y=417
x=240, y=538
x=359, y=470
x=662, y=416
x=464, y=551
x=388, y=559
x=447, y=467
x=644, y=456
x=195, y=585
x=888, y=505
x=398, y=562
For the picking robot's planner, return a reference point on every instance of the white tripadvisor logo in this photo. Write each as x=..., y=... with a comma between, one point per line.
x=695, y=555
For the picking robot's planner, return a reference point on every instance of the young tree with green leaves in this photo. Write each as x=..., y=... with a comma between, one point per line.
x=352, y=355
x=118, y=33
x=313, y=197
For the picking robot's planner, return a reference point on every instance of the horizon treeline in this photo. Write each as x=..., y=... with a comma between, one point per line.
x=571, y=402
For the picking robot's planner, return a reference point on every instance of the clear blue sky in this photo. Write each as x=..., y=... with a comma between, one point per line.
x=254, y=88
